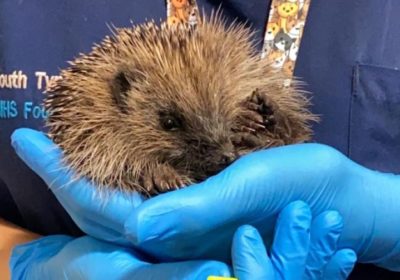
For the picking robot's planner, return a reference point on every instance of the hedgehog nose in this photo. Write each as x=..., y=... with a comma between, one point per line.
x=228, y=158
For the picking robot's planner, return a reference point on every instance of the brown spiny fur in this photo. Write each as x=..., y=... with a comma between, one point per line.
x=111, y=112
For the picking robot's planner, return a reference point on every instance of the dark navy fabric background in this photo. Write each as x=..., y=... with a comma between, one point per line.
x=349, y=57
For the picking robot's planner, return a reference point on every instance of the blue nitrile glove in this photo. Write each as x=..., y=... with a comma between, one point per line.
x=63, y=257
x=302, y=249
x=99, y=215
x=255, y=188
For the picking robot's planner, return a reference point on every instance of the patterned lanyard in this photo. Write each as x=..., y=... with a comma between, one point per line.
x=283, y=34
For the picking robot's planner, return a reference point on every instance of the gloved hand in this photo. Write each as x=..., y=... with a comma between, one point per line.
x=259, y=185
x=99, y=215
x=63, y=257
x=301, y=249
x=256, y=187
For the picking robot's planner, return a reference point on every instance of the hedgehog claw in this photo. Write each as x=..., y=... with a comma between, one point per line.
x=256, y=125
x=162, y=179
x=262, y=112
x=246, y=140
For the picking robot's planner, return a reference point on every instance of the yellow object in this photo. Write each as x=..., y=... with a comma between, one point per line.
x=220, y=278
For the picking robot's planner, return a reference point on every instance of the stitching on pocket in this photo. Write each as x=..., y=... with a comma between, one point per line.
x=378, y=66
x=354, y=87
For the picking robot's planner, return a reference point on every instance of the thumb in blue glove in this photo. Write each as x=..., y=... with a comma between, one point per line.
x=101, y=215
x=62, y=257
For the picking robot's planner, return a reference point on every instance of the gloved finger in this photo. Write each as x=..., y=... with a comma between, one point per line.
x=291, y=241
x=340, y=266
x=107, y=261
x=249, y=256
x=62, y=257
x=182, y=270
x=83, y=201
x=88, y=258
x=325, y=232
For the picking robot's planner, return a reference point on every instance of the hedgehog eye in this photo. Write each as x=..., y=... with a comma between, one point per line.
x=170, y=123
x=119, y=89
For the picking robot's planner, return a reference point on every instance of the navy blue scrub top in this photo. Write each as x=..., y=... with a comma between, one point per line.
x=349, y=57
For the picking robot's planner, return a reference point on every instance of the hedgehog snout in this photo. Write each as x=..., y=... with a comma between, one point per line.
x=228, y=157
x=219, y=159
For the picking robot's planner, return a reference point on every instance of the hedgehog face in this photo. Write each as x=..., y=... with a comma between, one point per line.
x=187, y=129
x=200, y=145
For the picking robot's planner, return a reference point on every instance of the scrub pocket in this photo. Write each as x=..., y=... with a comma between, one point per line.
x=374, y=131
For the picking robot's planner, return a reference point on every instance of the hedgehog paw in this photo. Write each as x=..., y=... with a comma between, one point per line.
x=245, y=143
x=242, y=139
x=163, y=179
x=262, y=112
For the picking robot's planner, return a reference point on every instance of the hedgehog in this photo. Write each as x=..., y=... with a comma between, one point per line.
x=153, y=107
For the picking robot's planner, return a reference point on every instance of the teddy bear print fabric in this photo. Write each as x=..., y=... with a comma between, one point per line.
x=283, y=33
x=182, y=11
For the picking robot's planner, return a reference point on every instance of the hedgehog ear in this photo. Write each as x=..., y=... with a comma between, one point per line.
x=119, y=90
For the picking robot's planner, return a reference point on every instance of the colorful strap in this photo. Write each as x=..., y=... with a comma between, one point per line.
x=284, y=32
x=182, y=11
